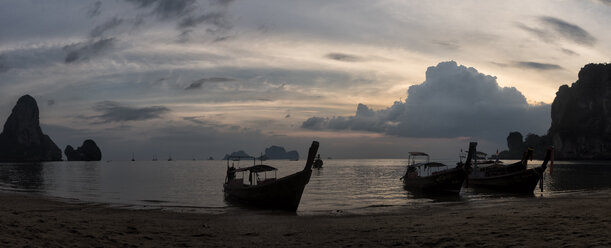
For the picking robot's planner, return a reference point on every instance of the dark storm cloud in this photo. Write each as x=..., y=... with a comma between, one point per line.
x=453, y=101
x=85, y=50
x=108, y=25
x=344, y=57
x=95, y=9
x=569, y=31
x=537, y=66
x=115, y=112
x=197, y=84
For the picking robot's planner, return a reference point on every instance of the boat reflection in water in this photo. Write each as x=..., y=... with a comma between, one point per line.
x=268, y=192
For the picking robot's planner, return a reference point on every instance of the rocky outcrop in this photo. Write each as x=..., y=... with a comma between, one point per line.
x=517, y=145
x=581, y=116
x=241, y=154
x=278, y=152
x=89, y=151
x=581, y=119
x=22, y=139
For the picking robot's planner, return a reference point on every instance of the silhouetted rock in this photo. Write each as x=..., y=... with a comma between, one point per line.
x=241, y=154
x=278, y=152
x=517, y=146
x=581, y=120
x=89, y=151
x=581, y=115
x=22, y=139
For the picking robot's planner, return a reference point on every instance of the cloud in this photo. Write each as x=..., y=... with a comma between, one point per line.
x=569, y=52
x=3, y=66
x=115, y=112
x=95, y=9
x=167, y=9
x=190, y=14
x=537, y=66
x=50, y=102
x=569, y=31
x=86, y=50
x=108, y=25
x=344, y=57
x=197, y=84
x=453, y=101
x=607, y=2
x=217, y=19
x=554, y=28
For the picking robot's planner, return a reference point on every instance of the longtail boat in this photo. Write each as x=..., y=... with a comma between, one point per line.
x=514, y=177
x=268, y=192
x=436, y=178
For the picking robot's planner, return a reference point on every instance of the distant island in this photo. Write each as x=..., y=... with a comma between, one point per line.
x=278, y=152
x=239, y=154
x=273, y=153
x=581, y=120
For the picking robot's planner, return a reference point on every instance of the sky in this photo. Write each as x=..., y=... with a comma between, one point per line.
x=368, y=79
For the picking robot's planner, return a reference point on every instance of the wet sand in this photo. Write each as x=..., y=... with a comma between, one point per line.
x=566, y=221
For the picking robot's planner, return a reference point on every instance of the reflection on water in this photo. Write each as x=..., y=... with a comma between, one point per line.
x=341, y=185
x=22, y=177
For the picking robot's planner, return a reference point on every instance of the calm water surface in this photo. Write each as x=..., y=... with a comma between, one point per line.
x=342, y=185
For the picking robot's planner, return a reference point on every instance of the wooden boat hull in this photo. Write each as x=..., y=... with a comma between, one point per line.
x=523, y=181
x=283, y=193
x=445, y=182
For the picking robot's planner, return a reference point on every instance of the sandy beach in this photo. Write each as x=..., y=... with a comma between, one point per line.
x=566, y=221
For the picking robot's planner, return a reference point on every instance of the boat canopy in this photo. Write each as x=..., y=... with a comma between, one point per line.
x=257, y=168
x=418, y=154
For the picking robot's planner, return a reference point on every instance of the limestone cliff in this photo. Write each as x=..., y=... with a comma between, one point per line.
x=581, y=116
x=22, y=139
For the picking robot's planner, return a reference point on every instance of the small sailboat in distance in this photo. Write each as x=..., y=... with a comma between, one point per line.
x=133, y=157
x=170, y=157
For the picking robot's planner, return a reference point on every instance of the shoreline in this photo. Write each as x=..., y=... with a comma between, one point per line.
x=542, y=222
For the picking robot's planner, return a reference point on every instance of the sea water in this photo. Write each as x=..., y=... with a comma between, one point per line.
x=342, y=185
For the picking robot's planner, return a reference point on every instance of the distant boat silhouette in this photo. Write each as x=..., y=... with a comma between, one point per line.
x=133, y=157
x=155, y=157
x=210, y=158
x=170, y=157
